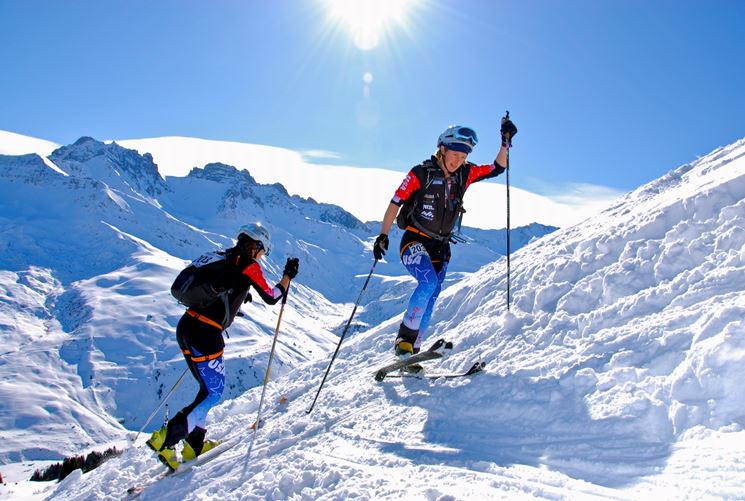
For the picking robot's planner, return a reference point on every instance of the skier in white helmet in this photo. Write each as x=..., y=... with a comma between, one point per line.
x=199, y=335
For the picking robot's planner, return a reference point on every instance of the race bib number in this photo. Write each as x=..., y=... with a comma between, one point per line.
x=414, y=254
x=205, y=259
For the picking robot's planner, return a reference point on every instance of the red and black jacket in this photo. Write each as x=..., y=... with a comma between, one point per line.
x=439, y=199
x=244, y=273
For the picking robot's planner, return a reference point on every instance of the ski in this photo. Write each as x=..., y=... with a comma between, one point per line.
x=134, y=491
x=475, y=369
x=437, y=350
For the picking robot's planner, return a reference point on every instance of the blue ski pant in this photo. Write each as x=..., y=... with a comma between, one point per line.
x=429, y=279
x=202, y=346
x=211, y=377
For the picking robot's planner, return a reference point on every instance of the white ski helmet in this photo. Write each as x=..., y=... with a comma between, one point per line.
x=458, y=138
x=256, y=232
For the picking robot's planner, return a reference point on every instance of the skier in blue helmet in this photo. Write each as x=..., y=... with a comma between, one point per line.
x=427, y=205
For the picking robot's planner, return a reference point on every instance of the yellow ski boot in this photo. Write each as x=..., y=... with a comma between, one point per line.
x=155, y=442
x=188, y=453
x=169, y=458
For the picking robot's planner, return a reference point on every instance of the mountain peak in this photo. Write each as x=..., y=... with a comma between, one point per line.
x=83, y=140
x=118, y=167
x=220, y=172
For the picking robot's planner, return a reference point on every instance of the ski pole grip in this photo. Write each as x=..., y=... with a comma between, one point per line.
x=507, y=136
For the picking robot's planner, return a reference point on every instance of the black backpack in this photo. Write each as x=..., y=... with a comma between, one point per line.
x=204, y=281
x=406, y=213
x=405, y=216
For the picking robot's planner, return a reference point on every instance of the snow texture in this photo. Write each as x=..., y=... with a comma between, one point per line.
x=91, y=239
x=616, y=373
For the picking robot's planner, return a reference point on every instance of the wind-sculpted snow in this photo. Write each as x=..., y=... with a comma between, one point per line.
x=617, y=373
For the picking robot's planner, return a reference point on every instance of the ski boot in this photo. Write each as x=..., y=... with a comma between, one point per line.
x=155, y=442
x=188, y=453
x=169, y=458
x=195, y=444
x=404, y=348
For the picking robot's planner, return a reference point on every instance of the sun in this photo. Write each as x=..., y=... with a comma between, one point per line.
x=368, y=20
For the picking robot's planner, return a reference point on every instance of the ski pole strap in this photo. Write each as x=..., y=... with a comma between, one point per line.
x=203, y=319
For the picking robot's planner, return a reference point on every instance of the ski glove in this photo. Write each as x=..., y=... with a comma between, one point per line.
x=508, y=131
x=292, y=266
x=381, y=245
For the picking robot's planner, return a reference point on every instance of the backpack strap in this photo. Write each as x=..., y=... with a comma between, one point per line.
x=203, y=319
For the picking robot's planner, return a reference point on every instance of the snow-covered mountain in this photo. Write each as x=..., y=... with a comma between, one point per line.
x=361, y=191
x=90, y=240
x=616, y=374
x=365, y=191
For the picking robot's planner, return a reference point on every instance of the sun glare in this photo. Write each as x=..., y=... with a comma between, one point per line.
x=368, y=20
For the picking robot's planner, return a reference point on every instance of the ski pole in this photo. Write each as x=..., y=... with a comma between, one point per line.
x=344, y=333
x=507, y=182
x=268, y=370
x=175, y=385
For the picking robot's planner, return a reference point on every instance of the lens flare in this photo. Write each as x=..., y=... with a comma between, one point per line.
x=368, y=20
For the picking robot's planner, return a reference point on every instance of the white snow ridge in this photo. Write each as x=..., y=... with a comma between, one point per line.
x=617, y=374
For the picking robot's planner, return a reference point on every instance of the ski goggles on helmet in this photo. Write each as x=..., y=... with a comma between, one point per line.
x=458, y=138
x=466, y=134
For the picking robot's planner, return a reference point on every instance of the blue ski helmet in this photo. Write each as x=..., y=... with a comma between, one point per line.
x=458, y=138
x=258, y=233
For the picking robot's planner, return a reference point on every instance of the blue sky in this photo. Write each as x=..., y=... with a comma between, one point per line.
x=608, y=93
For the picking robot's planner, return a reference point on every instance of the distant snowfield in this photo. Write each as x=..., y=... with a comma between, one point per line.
x=17, y=144
x=365, y=192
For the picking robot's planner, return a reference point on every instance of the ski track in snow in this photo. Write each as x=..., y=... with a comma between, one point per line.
x=617, y=374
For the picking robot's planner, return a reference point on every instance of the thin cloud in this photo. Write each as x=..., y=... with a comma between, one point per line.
x=583, y=194
x=311, y=155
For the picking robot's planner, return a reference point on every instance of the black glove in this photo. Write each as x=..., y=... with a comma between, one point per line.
x=292, y=266
x=381, y=245
x=508, y=131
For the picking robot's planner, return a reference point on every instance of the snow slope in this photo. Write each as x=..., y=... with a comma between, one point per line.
x=616, y=374
x=18, y=144
x=89, y=248
x=84, y=306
